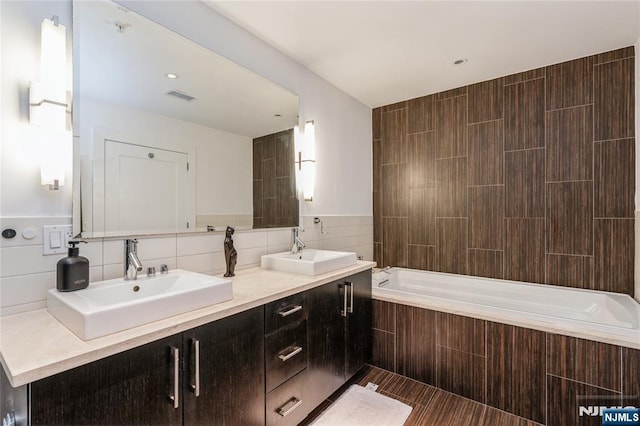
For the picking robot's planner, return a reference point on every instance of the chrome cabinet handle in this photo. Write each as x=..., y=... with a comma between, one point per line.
x=350, y=285
x=175, y=361
x=296, y=350
x=195, y=384
x=343, y=311
x=290, y=311
x=295, y=404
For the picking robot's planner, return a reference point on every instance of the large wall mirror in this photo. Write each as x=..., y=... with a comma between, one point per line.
x=166, y=130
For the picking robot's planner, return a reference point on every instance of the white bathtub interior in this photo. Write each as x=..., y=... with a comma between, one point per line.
x=562, y=307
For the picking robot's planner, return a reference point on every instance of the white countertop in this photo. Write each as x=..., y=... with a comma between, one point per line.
x=34, y=345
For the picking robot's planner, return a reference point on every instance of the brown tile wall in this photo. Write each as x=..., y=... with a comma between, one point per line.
x=528, y=177
x=384, y=335
x=274, y=181
x=543, y=377
x=461, y=356
x=415, y=343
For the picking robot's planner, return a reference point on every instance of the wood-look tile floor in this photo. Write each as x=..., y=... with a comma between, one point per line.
x=431, y=406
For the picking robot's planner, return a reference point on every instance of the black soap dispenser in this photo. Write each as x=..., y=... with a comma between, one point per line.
x=73, y=270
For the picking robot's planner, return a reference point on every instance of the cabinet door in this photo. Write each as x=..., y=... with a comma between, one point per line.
x=358, y=340
x=231, y=371
x=131, y=388
x=326, y=328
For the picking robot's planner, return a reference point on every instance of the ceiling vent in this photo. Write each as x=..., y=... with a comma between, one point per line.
x=180, y=95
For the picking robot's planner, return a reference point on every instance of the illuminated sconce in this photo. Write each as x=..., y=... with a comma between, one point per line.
x=305, y=159
x=50, y=101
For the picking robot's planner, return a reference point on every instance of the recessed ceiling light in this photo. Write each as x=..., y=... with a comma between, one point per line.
x=460, y=61
x=171, y=75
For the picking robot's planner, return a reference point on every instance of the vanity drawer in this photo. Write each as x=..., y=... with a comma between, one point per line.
x=285, y=311
x=285, y=353
x=287, y=404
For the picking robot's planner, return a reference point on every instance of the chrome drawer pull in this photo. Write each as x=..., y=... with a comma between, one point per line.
x=195, y=386
x=350, y=284
x=296, y=350
x=290, y=311
x=296, y=403
x=175, y=361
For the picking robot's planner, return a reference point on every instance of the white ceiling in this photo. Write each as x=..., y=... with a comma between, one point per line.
x=382, y=52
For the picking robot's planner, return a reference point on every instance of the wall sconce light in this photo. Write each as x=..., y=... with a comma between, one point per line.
x=50, y=103
x=305, y=146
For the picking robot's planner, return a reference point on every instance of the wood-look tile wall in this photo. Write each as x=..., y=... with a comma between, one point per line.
x=274, y=181
x=529, y=177
x=384, y=335
x=540, y=376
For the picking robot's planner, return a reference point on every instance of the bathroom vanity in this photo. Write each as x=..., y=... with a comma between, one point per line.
x=212, y=374
x=269, y=356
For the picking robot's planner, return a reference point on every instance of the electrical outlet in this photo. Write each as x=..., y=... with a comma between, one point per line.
x=55, y=239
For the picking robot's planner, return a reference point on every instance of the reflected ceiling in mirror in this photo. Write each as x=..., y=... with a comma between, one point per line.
x=150, y=104
x=125, y=59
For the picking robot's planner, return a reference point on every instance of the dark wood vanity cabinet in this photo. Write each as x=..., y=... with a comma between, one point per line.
x=326, y=341
x=269, y=365
x=339, y=341
x=286, y=355
x=358, y=340
x=145, y=385
x=224, y=371
x=132, y=387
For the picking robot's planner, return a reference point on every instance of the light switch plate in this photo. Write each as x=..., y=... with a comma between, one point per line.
x=61, y=233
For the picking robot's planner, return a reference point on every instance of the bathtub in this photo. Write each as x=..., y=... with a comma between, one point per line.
x=595, y=315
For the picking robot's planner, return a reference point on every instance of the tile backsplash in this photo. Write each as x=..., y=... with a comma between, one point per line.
x=26, y=274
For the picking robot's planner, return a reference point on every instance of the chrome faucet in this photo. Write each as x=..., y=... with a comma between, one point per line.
x=296, y=243
x=132, y=264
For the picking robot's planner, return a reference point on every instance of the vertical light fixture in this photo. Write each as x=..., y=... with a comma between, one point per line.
x=49, y=102
x=305, y=161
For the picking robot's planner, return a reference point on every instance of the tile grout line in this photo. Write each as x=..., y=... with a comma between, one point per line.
x=546, y=378
x=593, y=175
x=545, y=274
x=568, y=107
x=585, y=383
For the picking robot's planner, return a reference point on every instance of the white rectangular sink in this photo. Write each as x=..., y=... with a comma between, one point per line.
x=110, y=306
x=309, y=261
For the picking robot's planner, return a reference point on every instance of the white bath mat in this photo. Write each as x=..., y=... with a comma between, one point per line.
x=360, y=406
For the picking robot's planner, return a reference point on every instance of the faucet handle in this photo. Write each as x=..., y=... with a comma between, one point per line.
x=131, y=245
x=151, y=271
x=164, y=268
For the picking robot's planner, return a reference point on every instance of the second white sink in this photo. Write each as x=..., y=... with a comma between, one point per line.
x=309, y=261
x=110, y=306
